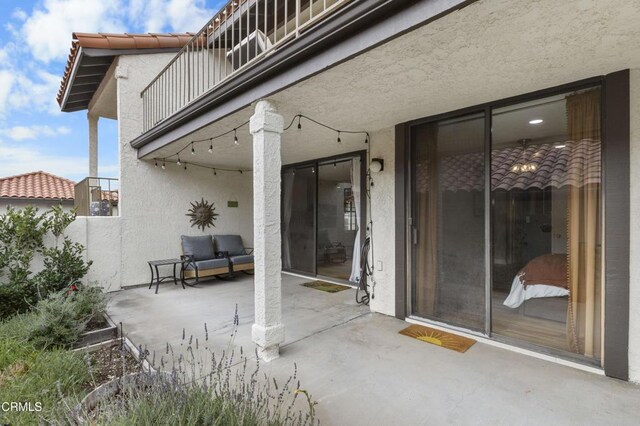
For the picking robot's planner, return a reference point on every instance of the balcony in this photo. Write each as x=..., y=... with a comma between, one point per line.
x=237, y=37
x=96, y=196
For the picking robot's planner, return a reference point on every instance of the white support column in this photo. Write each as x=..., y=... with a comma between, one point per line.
x=268, y=331
x=93, y=144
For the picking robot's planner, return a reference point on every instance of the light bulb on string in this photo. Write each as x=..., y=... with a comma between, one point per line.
x=339, y=140
x=163, y=165
x=156, y=165
x=211, y=146
x=235, y=137
x=178, y=162
x=299, y=125
x=193, y=151
x=214, y=172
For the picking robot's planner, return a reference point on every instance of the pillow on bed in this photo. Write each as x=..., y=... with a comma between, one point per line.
x=550, y=269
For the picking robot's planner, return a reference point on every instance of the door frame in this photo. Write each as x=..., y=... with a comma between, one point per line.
x=362, y=154
x=615, y=206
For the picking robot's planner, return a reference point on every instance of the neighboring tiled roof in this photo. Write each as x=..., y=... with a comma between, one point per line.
x=574, y=164
x=118, y=42
x=38, y=184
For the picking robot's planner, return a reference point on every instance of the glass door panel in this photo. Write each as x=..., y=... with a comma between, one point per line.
x=448, y=221
x=299, y=219
x=338, y=201
x=545, y=175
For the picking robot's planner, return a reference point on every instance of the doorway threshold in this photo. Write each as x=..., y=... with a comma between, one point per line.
x=321, y=278
x=480, y=337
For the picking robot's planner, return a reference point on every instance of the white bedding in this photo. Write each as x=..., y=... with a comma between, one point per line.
x=519, y=293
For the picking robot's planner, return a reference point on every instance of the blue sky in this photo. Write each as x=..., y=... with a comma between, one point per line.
x=35, y=37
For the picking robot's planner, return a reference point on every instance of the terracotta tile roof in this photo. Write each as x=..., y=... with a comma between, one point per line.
x=40, y=185
x=118, y=42
x=557, y=165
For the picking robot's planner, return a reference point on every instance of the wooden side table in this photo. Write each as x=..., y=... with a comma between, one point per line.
x=153, y=264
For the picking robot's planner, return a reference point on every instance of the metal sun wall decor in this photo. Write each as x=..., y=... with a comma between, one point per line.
x=202, y=214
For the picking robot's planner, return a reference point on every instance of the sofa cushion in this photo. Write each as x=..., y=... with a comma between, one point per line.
x=232, y=244
x=242, y=259
x=210, y=264
x=200, y=248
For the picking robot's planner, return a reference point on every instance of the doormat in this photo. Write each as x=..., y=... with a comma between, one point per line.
x=324, y=286
x=438, y=338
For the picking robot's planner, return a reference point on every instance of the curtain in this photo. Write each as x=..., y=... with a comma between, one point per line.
x=287, y=197
x=583, y=255
x=426, y=221
x=355, y=190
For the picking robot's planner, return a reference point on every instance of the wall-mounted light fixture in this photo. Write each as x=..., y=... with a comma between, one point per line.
x=377, y=165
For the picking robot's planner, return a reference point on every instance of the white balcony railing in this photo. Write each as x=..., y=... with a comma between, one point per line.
x=239, y=35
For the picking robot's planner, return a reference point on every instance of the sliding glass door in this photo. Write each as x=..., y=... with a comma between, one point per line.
x=527, y=270
x=448, y=229
x=299, y=219
x=322, y=211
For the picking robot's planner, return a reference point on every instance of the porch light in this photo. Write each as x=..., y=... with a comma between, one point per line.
x=377, y=165
x=536, y=121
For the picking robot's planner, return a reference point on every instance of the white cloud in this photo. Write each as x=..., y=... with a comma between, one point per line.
x=20, y=159
x=48, y=29
x=173, y=15
x=33, y=92
x=6, y=84
x=20, y=133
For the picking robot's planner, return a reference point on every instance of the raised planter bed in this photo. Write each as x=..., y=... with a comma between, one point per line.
x=99, y=331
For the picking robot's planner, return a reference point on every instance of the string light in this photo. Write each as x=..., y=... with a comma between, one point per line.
x=236, y=142
x=313, y=169
x=156, y=164
x=214, y=172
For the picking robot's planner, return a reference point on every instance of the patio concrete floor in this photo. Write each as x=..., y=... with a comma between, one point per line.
x=362, y=372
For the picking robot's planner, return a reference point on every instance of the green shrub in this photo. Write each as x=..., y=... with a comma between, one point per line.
x=60, y=319
x=22, y=235
x=63, y=266
x=17, y=298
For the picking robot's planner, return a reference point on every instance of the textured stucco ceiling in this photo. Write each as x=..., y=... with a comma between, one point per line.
x=490, y=50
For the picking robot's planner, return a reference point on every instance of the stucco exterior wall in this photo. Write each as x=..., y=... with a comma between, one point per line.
x=42, y=205
x=634, y=272
x=383, y=216
x=153, y=201
x=101, y=237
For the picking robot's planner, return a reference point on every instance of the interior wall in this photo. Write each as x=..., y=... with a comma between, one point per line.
x=382, y=213
x=634, y=264
x=154, y=202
